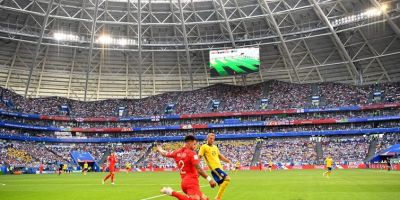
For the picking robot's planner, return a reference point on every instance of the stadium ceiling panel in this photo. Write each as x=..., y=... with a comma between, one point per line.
x=99, y=49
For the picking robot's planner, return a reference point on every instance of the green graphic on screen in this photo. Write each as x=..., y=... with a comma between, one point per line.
x=234, y=61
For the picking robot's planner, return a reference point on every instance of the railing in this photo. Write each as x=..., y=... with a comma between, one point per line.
x=200, y=115
x=6, y=136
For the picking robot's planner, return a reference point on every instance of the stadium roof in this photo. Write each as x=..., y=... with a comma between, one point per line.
x=99, y=49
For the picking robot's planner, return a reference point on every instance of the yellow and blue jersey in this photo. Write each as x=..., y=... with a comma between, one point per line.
x=211, y=156
x=328, y=162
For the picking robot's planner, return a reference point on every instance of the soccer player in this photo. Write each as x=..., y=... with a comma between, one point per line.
x=60, y=169
x=85, y=168
x=328, y=165
x=212, y=157
x=41, y=168
x=189, y=164
x=237, y=166
x=389, y=166
x=112, y=159
x=270, y=165
x=65, y=168
x=128, y=167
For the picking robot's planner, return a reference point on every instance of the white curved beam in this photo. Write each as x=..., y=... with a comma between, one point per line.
x=37, y=49
x=351, y=67
x=90, y=57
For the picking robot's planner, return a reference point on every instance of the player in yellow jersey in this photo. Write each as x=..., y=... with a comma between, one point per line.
x=237, y=167
x=270, y=165
x=212, y=157
x=328, y=165
x=65, y=168
x=128, y=167
x=85, y=168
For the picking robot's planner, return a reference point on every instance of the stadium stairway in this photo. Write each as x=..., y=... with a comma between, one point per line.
x=314, y=89
x=58, y=156
x=258, y=104
x=319, y=151
x=371, y=149
x=174, y=100
x=209, y=106
x=143, y=158
x=104, y=157
x=257, y=153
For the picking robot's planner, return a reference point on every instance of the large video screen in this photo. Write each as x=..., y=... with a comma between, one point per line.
x=234, y=61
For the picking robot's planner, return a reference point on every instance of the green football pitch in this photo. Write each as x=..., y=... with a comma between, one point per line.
x=291, y=185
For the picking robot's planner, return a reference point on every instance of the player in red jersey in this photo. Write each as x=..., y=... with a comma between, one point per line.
x=41, y=168
x=112, y=159
x=188, y=162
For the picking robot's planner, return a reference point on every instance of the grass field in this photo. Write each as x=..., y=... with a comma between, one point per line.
x=291, y=185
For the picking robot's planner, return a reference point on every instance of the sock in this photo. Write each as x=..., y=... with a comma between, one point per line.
x=180, y=196
x=222, y=188
x=107, y=177
x=112, y=178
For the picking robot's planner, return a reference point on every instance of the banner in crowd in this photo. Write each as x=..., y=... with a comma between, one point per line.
x=275, y=167
x=291, y=167
x=6, y=136
x=200, y=115
x=384, y=166
x=197, y=126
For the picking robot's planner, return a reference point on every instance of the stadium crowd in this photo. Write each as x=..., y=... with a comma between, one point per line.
x=183, y=132
x=288, y=151
x=238, y=151
x=346, y=149
x=280, y=95
x=266, y=118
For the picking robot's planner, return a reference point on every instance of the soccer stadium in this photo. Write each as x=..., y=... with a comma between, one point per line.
x=199, y=99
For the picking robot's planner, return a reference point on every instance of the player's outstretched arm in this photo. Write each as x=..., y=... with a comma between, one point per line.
x=223, y=158
x=205, y=176
x=162, y=151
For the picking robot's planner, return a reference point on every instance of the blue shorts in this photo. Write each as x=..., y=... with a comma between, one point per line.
x=219, y=175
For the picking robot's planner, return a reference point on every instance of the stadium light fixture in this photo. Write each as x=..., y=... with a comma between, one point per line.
x=59, y=36
x=384, y=8
x=108, y=40
x=370, y=13
x=122, y=41
x=105, y=39
x=373, y=12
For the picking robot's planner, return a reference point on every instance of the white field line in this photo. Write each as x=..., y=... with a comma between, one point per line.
x=158, y=196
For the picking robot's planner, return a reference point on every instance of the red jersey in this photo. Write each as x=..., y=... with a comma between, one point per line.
x=111, y=161
x=186, y=159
